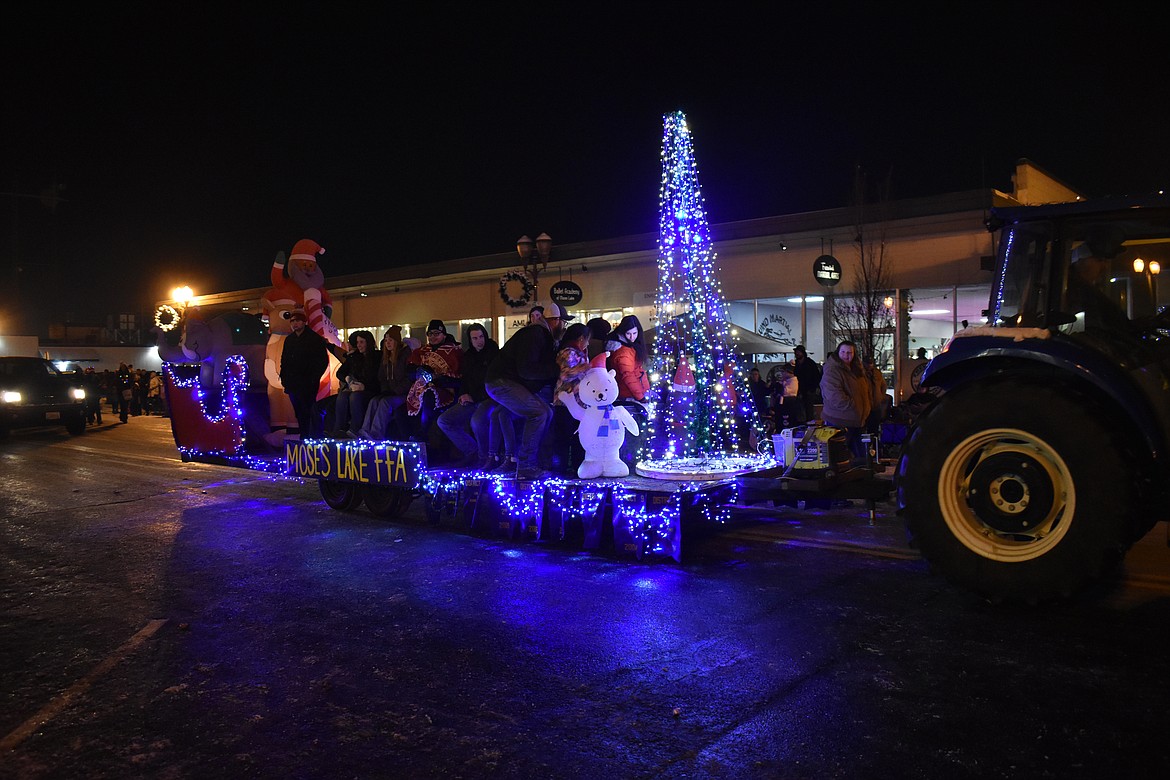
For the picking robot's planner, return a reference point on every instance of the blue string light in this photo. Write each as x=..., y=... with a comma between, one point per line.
x=693, y=321
x=652, y=530
x=234, y=380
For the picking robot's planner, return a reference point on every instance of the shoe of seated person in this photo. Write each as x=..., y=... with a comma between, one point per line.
x=507, y=465
x=487, y=463
x=530, y=473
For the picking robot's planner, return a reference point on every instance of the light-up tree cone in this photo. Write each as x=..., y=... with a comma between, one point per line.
x=693, y=432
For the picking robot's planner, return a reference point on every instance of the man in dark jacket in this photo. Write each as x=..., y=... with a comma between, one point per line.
x=525, y=370
x=471, y=410
x=808, y=377
x=303, y=359
x=123, y=391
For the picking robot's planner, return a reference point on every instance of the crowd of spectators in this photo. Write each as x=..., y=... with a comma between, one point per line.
x=129, y=392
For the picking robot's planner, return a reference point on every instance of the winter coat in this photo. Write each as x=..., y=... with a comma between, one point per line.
x=395, y=376
x=596, y=347
x=362, y=368
x=808, y=373
x=528, y=358
x=759, y=392
x=846, y=394
x=444, y=363
x=573, y=364
x=475, y=366
x=877, y=387
x=631, y=375
x=303, y=359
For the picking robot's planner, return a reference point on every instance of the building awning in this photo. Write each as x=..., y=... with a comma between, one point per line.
x=71, y=354
x=749, y=343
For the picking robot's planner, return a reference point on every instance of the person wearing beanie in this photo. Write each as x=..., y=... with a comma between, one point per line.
x=395, y=376
x=304, y=358
x=438, y=367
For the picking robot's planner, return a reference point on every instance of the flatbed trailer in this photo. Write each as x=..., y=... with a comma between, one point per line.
x=634, y=515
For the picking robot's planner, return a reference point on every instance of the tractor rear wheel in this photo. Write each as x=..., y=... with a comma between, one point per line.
x=1016, y=491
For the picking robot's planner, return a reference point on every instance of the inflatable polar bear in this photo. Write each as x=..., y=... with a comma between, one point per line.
x=603, y=426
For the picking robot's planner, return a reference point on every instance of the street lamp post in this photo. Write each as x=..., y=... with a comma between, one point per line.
x=1151, y=271
x=182, y=295
x=167, y=317
x=534, y=257
x=1155, y=268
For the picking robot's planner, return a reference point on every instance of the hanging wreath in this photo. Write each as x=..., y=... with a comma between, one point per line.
x=528, y=289
x=166, y=317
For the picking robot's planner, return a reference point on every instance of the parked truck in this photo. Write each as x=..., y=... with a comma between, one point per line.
x=1045, y=454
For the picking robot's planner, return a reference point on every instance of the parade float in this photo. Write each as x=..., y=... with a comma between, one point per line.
x=702, y=438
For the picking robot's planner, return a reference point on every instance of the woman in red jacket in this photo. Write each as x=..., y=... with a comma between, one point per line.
x=627, y=356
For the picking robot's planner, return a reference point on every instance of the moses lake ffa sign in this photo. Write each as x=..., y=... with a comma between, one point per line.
x=388, y=463
x=566, y=293
x=826, y=270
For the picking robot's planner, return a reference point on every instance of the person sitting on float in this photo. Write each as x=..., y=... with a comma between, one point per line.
x=599, y=331
x=394, y=379
x=438, y=367
x=358, y=375
x=627, y=356
x=847, y=396
x=573, y=360
x=521, y=380
x=467, y=422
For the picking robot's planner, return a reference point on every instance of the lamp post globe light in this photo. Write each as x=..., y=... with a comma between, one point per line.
x=534, y=257
x=1151, y=271
x=182, y=295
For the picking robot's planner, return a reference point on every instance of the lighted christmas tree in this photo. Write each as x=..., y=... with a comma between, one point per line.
x=698, y=396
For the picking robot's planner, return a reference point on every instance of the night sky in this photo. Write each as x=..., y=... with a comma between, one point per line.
x=194, y=143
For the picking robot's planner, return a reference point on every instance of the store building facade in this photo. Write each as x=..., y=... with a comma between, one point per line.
x=938, y=253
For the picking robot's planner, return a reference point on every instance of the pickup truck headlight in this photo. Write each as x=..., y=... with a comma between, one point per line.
x=10, y=397
x=77, y=393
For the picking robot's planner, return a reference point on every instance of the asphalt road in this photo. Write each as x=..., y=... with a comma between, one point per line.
x=161, y=619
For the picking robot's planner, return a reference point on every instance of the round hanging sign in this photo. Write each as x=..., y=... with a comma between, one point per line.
x=826, y=270
x=566, y=293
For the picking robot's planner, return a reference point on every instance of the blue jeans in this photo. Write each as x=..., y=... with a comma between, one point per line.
x=456, y=420
x=503, y=428
x=536, y=412
x=350, y=410
x=379, y=415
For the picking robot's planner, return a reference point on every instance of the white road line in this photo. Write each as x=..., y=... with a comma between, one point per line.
x=53, y=708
